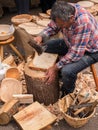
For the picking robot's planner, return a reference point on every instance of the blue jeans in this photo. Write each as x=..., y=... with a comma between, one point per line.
x=22, y=6
x=69, y=71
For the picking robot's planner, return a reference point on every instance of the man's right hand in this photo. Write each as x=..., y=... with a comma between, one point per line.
x=38, y=39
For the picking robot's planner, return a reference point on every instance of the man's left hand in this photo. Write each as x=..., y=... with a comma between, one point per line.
x=51, y=74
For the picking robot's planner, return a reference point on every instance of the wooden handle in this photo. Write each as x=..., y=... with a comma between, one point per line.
x=94, y=75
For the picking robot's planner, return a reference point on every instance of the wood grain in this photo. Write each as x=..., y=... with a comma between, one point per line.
x=34, y=117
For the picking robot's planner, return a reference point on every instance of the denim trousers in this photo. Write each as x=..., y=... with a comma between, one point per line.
x=69, y=71
x=22, y=6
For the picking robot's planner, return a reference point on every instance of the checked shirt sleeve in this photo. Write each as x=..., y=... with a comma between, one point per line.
x=78, y=45
x=50, y=30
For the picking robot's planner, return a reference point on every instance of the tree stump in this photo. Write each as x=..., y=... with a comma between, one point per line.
x=43, y=93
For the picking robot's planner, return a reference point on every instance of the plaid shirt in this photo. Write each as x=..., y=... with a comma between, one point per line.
x=80, y=37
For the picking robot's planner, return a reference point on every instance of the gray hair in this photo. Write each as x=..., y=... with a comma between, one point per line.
x=62, y=10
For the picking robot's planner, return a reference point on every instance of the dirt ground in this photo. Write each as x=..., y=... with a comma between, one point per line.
x=62, y=125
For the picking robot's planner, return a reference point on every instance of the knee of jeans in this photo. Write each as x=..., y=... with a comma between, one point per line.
x=67, y=72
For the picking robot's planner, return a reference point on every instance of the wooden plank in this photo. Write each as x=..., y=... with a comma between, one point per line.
x=34, y=117
x=24, y=98
x=43, y=62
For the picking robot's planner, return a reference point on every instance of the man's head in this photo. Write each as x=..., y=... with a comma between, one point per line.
x=63, y=13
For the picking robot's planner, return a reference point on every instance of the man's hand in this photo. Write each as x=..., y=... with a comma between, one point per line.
x=38, y=39
x=51, y=74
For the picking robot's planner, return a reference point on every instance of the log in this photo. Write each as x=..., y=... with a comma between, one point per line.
x=8, y=110
x=43, y=93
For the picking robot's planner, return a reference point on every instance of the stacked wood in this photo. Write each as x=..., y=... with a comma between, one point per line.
x=8, y=110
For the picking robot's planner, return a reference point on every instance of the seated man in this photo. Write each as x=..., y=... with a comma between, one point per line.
x=79, y=46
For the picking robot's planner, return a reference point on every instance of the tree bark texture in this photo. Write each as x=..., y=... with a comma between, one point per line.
x=43, y=93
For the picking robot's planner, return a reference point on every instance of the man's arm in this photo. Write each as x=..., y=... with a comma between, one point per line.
x=78, y=46
x=50, y=30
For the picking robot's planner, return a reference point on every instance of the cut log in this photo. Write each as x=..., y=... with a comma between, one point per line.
x=8, y=110
x=9, y=86
x=43, y=62
x=34, y=117
x=24, y=98
x=42, y=92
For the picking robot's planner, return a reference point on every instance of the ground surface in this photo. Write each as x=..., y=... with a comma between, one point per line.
x=91, y=125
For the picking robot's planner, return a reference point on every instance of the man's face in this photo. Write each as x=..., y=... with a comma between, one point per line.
x=62, y=24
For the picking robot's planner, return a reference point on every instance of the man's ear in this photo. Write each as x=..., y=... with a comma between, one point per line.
x=72, y=19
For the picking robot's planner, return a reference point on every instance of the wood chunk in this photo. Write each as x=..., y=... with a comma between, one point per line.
x=9, y=60
x=24, y=98
x=8, y=110
x=43, y=62
x=34, y=117
x=9, y=86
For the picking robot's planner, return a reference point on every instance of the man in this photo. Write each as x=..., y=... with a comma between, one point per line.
x=79, y=46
